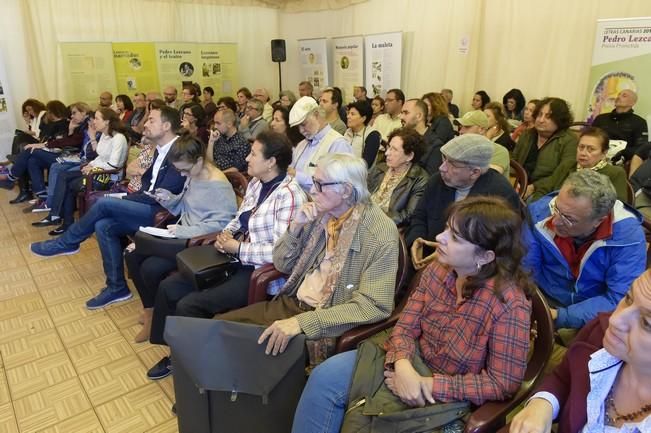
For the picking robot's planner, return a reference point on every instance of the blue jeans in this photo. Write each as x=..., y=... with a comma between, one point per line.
x=110, y=219
x=324, y=399
x=55, y=170
x=33, y=163
x=36, y=165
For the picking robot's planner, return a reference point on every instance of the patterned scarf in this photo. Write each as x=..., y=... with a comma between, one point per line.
x=601, y=164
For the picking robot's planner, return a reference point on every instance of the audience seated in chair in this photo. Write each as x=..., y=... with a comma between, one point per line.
x=546, y=148
x=37, y=157
x=476, y=122
x=498, y=126
x=280, y=124
x=388, y=121
x=414, y=115
x=111, y=150
x=364, y=139
x=584, y=248
x=150, y=260
x=450, y=343
x=192, y=120
x=623, y=124
x=227, y=148
x=271, y=202
x=591, y=155
x=331, y=101
x=527, y=119
x=320, y=139
x=397, y=184
x=464, y=172
x=111, y=219
x=53, y=126
x=603, y=382
x=341, y=254
x=253, y=123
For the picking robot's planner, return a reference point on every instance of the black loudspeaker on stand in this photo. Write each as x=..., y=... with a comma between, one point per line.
x=279, y=55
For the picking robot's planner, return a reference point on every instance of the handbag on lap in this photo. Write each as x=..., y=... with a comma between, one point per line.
x=205, y=266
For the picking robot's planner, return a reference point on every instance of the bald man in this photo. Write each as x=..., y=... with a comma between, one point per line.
x=105, y=100
x=623, y=124
x=170, y=93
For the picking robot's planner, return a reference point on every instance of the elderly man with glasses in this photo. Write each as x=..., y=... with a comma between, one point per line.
x=252, y=123
x=320, y=139
x=465, y=171
x=585, y=248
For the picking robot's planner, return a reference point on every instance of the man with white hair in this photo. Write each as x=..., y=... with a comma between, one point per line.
x=465, y=171
x=320, y=139
x=262, y=95
x=623, y=124
x=341, y=254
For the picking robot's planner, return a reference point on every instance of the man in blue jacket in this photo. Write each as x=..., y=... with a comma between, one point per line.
x=585, y=248
x=111, y=219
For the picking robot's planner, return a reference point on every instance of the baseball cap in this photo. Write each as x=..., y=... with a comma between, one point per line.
x=473, y=118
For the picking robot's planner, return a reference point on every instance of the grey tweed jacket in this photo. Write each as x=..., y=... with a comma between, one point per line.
x=365, y=290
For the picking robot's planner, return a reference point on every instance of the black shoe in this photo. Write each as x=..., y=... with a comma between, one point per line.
x=47, y=221
x=58, y=231
x=22, y=197
x=163, y=368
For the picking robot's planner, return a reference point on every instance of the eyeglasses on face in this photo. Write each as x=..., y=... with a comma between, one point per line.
x=453, y=163
x=564, y=219
x=318, y=185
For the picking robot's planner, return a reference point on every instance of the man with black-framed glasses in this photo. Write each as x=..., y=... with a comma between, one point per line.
x=464, y=171
x=585, y=248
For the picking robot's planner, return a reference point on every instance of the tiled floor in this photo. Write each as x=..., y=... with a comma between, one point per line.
x=64, y=369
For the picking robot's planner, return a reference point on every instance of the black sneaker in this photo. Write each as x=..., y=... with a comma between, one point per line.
x=47, y=221
x=163, y=368
x=58, y=231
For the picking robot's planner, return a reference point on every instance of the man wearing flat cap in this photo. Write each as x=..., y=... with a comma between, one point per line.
x=320, y=139
x=465, y=171
x=476, y=122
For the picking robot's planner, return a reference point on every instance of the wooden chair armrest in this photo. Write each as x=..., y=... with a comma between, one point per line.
x=260, y=279
x=351, y=338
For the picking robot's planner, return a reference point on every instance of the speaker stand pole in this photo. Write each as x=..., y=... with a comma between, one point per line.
x=280, y=78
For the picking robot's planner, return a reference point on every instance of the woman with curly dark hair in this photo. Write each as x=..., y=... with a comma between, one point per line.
x=513, y=102
x=463, y=335
x=549, y=146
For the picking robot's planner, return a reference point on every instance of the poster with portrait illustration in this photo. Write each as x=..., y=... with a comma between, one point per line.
x=348, y=64
x=383, y=62
x=313, y=55
x=135, y=67
x=178, y=62
x=621, y=59
x=219, y=67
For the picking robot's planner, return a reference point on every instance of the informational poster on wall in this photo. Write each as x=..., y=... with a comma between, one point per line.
x=89, y=69
x=219, y=68
x=383, y=62
x=178, y=62
x=621, y=59
x=7, y=115
x=313, y=54
x=135, y=67
x=348, y=67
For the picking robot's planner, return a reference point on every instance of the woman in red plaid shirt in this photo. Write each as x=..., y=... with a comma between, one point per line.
x=468, y=320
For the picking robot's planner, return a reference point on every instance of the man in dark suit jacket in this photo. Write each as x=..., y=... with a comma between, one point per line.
x=111, y=219
x=465, y=171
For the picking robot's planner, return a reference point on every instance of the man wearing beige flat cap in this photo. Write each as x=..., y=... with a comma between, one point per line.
x=320, y=139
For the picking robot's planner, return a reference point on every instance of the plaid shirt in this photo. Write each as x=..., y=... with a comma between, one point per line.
x=477, y=350
x=270, y=220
